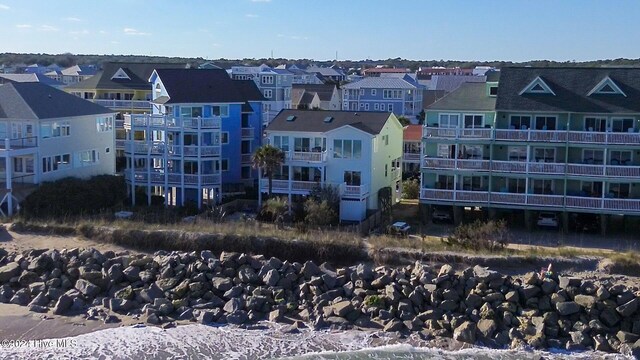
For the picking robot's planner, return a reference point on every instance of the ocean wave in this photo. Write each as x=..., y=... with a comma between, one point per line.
x=266, y=342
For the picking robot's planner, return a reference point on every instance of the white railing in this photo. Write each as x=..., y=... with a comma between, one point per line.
x=537, y=200
x=411, y=157
x=508, y=166
x=160, y=148
x=120, y=143
x=476, y=165
x=585, y=170
x=147, y=120
x=355, y=190
x=307, y=156
x=438, y=163
x=285, y=185
x=123, y=104
x=531, y=135
x=457, y=133
x=546, y=168
x=246, y=158
x=246, y=133
x=622, y=171
x=158, y=177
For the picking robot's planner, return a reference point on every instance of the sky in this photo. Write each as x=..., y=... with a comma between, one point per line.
x=515, y=30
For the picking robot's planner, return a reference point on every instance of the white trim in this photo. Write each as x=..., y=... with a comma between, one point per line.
x=606, y=81
x=481, y=124
x=120, y=74
x=537, y=81
x=449, y=117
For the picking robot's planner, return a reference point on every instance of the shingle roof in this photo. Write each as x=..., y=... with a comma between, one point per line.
x=84, y=70
x=38, y=101
x=249, y=90
x=324, y=91
x=380, y=83
x=22, y=78
x=469, y=96
x=138, y=72
x=571, y=86
x=412, y=133
x=449, y=83
x=314, y=121
x=199, y=86
x=431, y=96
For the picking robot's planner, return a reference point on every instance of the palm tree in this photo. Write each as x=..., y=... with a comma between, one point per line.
x=268, y=158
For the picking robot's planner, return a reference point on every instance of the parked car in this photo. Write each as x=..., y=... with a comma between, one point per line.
x=440, y=215
x=548, y=219
x=586, y=223
x=399, y=228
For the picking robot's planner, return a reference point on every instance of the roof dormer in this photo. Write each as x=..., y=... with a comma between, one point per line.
x=120, y=74
x=607, y=87
x=537, y=86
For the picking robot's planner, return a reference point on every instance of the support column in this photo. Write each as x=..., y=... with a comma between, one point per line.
x=458, y=213
x=493, y=213
x=9, y=172
x=604, y=220
x=528, y=220
x=565, y=222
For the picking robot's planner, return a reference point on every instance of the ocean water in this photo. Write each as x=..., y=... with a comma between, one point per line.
x=226, y=342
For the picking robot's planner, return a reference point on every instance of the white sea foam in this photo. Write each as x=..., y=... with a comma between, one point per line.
x=227, y=342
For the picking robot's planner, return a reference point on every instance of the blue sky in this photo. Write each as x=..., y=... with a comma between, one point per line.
x=357, y=29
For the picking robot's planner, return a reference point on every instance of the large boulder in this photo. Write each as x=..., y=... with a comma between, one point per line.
x=466, y=332
x=342, y=308
x=567, y=308
x=86, y=288
x=221, y=283
x=627, y=309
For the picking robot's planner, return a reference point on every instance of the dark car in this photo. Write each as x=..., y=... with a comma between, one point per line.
x=589, y=223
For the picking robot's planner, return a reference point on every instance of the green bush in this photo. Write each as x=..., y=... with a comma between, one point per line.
x=73, y=196
x=491, y=236
x=319, y=213
x=410, y=189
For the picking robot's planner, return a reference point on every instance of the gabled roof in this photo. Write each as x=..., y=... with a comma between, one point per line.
x=572, y=87
x=467, y=97
x=314, y=121
x=38, y=101
x=324, y=71
x=537, y=86
x=449, y=83
x=431, y=96
x=412, y=133
x=381, y=83
x=205, y=86
x=607, y=87
x=31, y=78
x=324, y=91
x=84, y=70
x=138, y=74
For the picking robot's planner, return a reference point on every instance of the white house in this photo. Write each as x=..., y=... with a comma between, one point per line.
x=360, y=153
x=48, y=134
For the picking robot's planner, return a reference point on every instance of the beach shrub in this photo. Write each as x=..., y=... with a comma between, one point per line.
x=490, y=235
x=410, y=189
x=319, y=213
x=73, y=196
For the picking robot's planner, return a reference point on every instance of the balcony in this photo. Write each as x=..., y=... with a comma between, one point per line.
x=160, y=149
x=532, y=135
x=124, y=104
x=557, y=202
x=308, y=156
x=458, y=164
x=157, y=178
x=120, y=143
x=354, y=191
x=246, y=158
x=411, y=157
x=247, y=133
x=21, y=146
x=305, y=187
x=457, y=133
x=171, y=122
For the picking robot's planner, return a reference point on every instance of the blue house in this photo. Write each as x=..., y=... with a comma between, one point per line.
x=197, y=143
x=400, y=95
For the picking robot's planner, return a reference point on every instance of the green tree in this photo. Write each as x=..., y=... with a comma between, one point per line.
x=411, y=189
x=404, y=121
x=268, y=158
x=275, y=208
x=421, y=117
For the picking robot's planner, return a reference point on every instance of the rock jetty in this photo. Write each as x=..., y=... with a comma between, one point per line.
x=475, y=305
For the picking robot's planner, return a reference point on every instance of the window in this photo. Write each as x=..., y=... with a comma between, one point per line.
x=301, y=144
x=386, y=170
x=267, y=79
x=545, y=122
x=352, y=178
x=520, y=122
x=471, y=151
x=544, y=155
x=104, y=124
x=361, y=105
x=381, y=107
x=620, y=157
x=591, y=188
x=220, y=110
x=516, y=186
x=224, y=164
x=543, y=186
x=445, y=182
x=3, y=130
x=268, y=93
x=190, y=139
x=390, y=108
x=51, y=129
x=619, y=191
x=190, y=111
x=376, y=106
x=493, y=91
x=224, y=137
x=281, y=142
x=347, y=149
x=245, y=147
x=385, y=139
x=598, y=124
x=391, y=94
x=621, y=125
x=373, y=92
x=361, y=92
x=472, y=183
x=593, y=157
x=517, y=153
x=86, y=158
x=245, y=172
x=473, y=121
x=448, y=121
x=366, y=107
x=446, y=151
